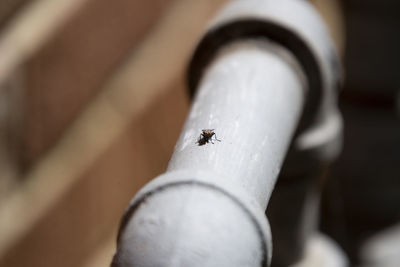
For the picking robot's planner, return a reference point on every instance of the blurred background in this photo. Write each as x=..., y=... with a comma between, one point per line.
x=93, y=97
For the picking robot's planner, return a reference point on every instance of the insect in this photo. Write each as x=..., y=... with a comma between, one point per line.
x=207, y=136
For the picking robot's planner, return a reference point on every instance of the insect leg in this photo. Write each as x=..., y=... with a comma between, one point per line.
x=199, y=139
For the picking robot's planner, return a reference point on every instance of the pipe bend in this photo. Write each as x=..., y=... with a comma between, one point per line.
x=193, y=218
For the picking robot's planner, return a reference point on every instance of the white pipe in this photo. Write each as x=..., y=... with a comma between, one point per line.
x=260, y=64
x=252, y=96
x=208, y=209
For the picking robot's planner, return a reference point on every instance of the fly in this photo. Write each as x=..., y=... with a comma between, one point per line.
x=207, y=135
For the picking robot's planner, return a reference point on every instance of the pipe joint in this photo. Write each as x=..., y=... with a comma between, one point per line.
x=235, y=222
x=298, y=27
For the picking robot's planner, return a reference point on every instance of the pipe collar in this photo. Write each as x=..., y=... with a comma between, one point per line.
x=223, y=207
x=295, y=25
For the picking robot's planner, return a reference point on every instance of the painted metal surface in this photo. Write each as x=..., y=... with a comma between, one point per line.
x=252, y=97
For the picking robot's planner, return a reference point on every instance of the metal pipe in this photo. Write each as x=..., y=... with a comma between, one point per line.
x=258, y=74
x=252, y=96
